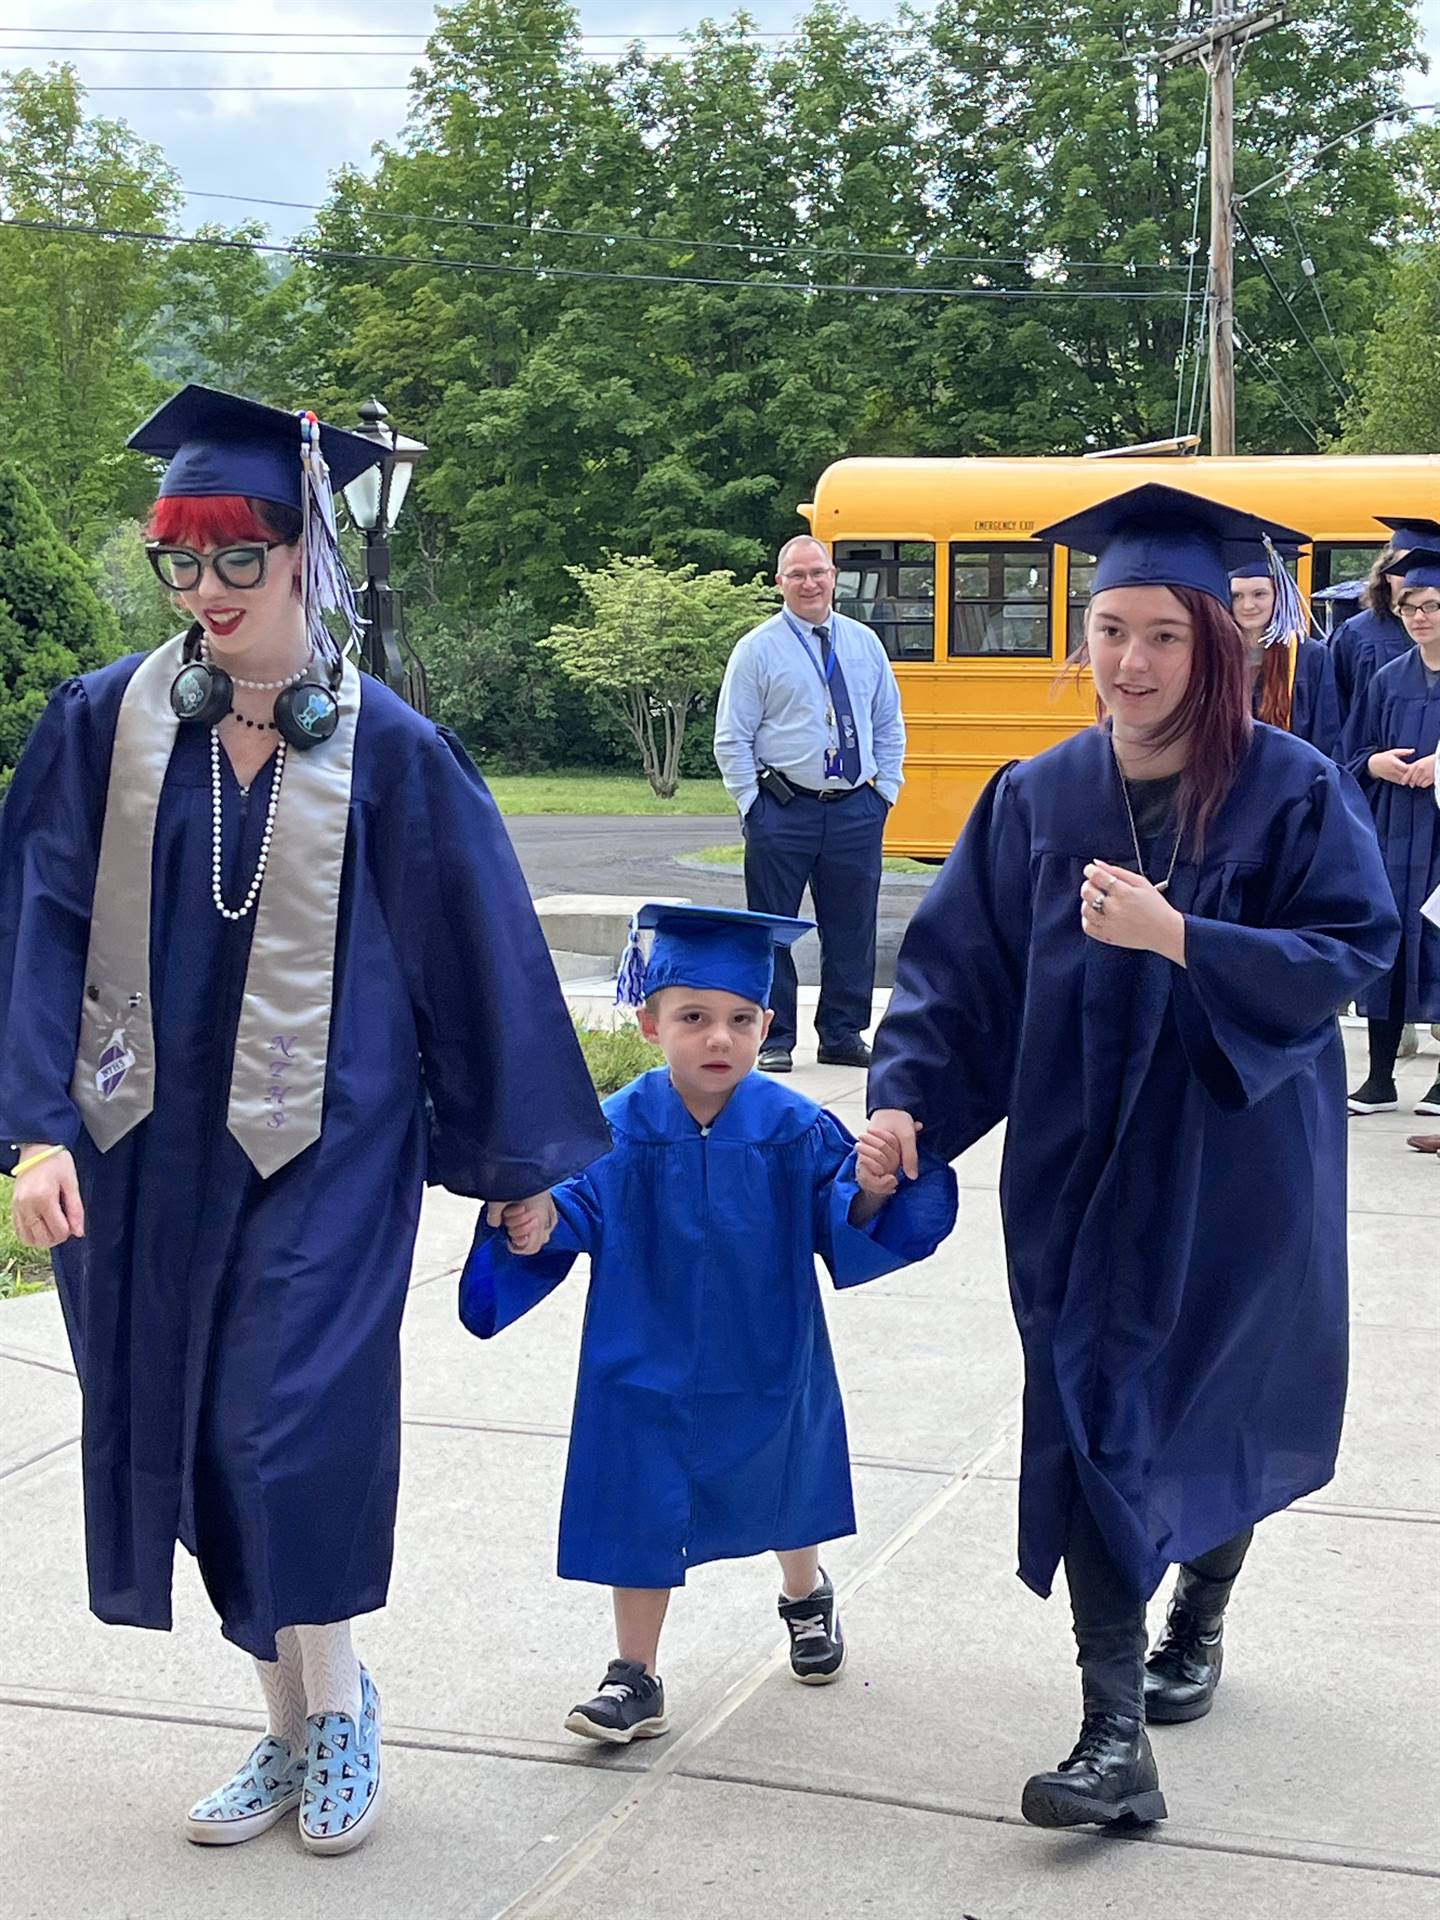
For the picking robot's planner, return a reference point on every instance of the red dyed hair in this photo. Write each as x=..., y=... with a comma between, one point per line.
x=1213, y=713
x=1274, y=703
x=219, y=520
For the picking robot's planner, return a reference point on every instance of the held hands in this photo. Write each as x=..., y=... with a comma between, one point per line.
x=528, y=1223
x=45, y=1207
x=900, y=1129
x=1124, y=909
x=1397, y=765
x=877, y=1163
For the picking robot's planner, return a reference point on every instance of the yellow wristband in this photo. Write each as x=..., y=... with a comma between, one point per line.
x=34, y=1159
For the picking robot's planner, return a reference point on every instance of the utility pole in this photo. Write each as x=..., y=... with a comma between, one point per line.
x=1215, y=49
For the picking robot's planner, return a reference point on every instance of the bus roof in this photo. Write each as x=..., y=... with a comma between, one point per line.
x=1331, y=496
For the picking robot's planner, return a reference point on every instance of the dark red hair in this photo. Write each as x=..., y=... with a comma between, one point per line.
x=1213, y=713
x=219, y=520
x=1275, y=701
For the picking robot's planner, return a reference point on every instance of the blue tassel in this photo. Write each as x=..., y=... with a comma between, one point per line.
x=630, y=980
x=326, y=585
x=1291, y=618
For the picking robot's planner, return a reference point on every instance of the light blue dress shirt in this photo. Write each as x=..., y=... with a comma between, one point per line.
x=771, y=710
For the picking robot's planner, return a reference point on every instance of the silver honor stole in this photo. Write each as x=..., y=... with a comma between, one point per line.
x=277, y=1082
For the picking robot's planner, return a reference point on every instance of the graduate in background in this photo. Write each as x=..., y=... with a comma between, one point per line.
x=1373, y=637
x=1390, y=745
x=1292, y=678
x=1136, y=955
x=267, y=963
x=708, y=1423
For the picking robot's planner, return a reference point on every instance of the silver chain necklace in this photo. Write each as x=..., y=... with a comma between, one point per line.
x=1160, y=885
x=217, y=893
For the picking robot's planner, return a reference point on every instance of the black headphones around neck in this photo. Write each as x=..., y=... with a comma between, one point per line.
x=306, y=714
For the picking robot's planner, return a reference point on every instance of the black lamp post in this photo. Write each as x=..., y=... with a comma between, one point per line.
x=374, y=500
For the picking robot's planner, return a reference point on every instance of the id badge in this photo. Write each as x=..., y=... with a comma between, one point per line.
x=833, y=768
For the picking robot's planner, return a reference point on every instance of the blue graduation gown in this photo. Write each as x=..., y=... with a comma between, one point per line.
x=237, y=1339
x=1173, y=1184
x=1359, y=647
x=708, y=1423
x=1314, y=697
x=1401, y=710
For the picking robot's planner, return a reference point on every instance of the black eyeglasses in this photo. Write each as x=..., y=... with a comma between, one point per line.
x=240, y=567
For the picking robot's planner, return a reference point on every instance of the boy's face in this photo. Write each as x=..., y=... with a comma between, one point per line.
x=710, y=1039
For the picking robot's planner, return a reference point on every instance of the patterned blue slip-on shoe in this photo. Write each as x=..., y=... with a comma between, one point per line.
x=252, y=1800
x=341, y=1796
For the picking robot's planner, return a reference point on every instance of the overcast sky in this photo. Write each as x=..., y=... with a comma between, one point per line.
x=283, y=146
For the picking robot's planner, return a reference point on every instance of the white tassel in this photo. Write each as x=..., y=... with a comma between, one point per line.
x=1291, y=618
x=326, y=586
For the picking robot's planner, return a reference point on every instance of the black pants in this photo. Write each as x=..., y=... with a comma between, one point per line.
x=1385, y=1034
x=834, y=847
x=1110, y=1618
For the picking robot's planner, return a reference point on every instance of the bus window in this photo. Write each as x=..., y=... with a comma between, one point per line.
x=1332, y=564
x=1082, y=576
x=1000, y=601
x=890, y=585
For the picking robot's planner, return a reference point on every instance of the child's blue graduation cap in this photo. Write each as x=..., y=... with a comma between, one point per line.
x=1420, y=566
x=220, y=444
x=1156, y=536
x=720, y=948
x=1405, y=534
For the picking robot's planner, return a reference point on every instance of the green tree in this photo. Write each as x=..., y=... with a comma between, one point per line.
x=74, y=309
x=125, y=582
x=230, y=317
x=52, y=622
x=655, y=647
x=1396, y=404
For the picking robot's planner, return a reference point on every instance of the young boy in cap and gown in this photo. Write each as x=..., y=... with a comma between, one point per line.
x=1135, y=955
x=1292, y=677
x=708, y=1423
x=267, y=965
x=1375, y=635
x=1390, y=746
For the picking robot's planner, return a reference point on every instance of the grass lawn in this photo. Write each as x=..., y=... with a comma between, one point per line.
x=22, y=1269
x=734, y=856
x=581, y=792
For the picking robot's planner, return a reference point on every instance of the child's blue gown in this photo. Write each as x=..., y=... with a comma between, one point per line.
x=708, y=1423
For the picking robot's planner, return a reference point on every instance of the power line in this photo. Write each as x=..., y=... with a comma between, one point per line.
x=1289, y=306
x=1277, y=385
x=346, y=33
x=1290, y=175
x=300, y=250
x=673, y=241
x=1200, y=158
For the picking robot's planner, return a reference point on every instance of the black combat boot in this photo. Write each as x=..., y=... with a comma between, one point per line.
x=1181, y=1675
x=1110, y=1779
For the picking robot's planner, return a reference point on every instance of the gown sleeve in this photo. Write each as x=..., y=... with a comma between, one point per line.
x=1257, y=1004
x=1314, y=699
x=514, y=1109
x=49, y=849
x=909, y=1227
x=497, y=1286
x=945, y=1051
x=1361, y=736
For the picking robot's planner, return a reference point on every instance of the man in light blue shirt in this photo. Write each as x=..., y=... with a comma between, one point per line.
x=810, y=745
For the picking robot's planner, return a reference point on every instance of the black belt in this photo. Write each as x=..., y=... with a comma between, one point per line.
x=827, y=793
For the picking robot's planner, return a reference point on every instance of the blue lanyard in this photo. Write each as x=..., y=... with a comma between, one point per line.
x=827, y=671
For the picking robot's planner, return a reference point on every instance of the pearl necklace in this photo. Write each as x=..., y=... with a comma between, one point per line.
x=259, y=686
x=216, y=890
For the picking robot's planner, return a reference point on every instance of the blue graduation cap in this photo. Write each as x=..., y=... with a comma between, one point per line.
x=219, y=444
x=1420, y=566
x=1156, y=536
x=1405, y=534
x=720, y=948
x=1252, y=560
x=1342, y=590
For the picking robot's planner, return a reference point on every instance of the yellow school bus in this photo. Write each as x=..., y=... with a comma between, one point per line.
x=938, y=557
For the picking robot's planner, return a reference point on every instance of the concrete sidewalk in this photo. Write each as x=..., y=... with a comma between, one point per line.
x=1309, y=1791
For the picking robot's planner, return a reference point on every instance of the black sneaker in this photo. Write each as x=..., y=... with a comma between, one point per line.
x=817, y=1646
x=629, y=1706
x=1431, y=1102
x=1376, y=1096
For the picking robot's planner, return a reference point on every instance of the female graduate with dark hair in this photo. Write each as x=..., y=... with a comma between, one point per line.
x=1292, y=678
x=1390, y=747
x=1373, y=637
x=267, y=963
x=1135, y=955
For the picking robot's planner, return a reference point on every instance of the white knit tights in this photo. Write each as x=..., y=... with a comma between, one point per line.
x=283, y=1682
x=332, y=1673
